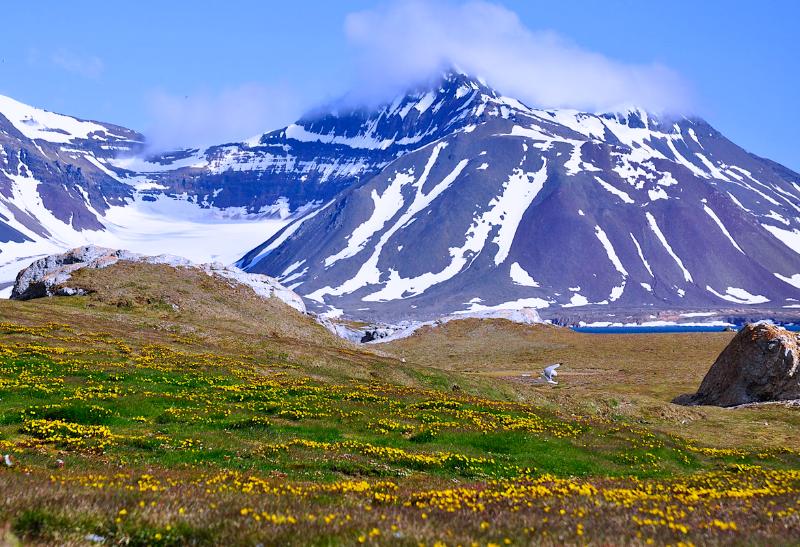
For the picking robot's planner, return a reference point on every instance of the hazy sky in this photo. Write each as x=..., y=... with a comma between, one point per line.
x=206, y=72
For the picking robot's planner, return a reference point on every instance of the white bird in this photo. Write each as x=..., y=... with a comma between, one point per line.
x=8, y=461
x=550, y=373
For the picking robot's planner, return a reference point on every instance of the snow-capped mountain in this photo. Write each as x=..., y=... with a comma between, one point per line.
x=66, y=182
x=55, y=178
x=59, y=161
x=451, y=198
x=517, y=207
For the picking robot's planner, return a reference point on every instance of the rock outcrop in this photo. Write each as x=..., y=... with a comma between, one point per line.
x=48, y=276
x=761, y=364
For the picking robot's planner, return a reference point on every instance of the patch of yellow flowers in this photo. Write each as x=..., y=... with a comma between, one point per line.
x=69, y=434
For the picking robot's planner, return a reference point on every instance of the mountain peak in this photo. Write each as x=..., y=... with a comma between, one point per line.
x=459, y=77
x=421, y=114
x=42, y=125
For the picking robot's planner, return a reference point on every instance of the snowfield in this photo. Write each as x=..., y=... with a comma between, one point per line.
x=164, y=226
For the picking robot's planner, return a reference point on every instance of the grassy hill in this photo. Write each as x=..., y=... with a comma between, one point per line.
x=169, y=408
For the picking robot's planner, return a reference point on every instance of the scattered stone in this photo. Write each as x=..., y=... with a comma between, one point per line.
x=377, y=334
x=759, y=365
x=789, y=403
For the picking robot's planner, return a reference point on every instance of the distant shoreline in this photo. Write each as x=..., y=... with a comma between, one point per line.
x=664, y=329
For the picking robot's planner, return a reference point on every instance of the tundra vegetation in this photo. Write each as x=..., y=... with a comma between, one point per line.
x=169, y=408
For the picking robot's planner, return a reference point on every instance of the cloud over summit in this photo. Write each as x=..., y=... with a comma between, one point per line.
x=209, y=117
x=403, y=42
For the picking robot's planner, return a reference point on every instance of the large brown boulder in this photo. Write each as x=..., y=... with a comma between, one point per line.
x=759, y=365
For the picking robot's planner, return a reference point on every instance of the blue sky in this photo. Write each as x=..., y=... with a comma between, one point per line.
x=208, y=71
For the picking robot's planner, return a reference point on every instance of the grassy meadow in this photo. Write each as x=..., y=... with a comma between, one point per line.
x=170, y=408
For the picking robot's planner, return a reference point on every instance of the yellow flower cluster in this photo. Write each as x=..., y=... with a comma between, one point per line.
x=69, y=434
x=390, y=454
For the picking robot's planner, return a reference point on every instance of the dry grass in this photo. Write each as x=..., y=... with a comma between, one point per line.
x=630, y=375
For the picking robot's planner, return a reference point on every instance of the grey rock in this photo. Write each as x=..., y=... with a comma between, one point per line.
x=41, y=278
x=759, y=365
x=371, y=335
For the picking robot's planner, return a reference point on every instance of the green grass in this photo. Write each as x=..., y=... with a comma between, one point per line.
x=183, y=429
x=170, y=408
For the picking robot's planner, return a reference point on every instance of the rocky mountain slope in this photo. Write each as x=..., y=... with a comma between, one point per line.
x=519, y=207
x=66, y=182
x=317, y=157
x=55, y=178
x=451, y=198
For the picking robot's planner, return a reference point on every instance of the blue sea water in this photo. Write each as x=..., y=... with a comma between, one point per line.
x=665, y=329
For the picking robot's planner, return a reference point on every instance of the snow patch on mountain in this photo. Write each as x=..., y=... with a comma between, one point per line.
x=790, y=238
x=611, y=189
x=722, y=227
x=793, y=280
x=641, y=255
x=660, y=235
x=521, y=277
x=739, y=296
x=386, y=206
x=519, y=304
x=507, y=209
x=576, y=300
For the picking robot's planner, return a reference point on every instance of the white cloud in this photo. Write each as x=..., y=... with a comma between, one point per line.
x=404, y=43
x=208, y=118
x=408, y=41
x=88, y=66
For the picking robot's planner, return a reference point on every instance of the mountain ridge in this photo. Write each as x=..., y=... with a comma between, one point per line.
x=485, y=181
x=648, y=163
